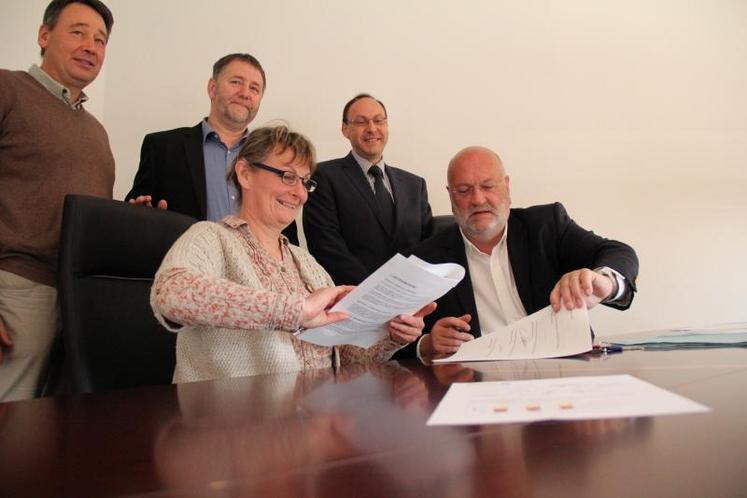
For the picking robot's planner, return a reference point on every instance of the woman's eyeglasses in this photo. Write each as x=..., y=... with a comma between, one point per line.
x=289, y=177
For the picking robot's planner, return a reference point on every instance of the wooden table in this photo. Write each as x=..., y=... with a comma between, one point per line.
x=361, y=432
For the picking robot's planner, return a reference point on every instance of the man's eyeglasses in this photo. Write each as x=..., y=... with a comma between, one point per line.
x=466, y=190
x=289, y=177
x=361, y=122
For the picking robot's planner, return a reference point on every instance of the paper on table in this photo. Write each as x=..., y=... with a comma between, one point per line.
x=400, y=286
x=725, y=334
x=544, y=334
x=568, y=398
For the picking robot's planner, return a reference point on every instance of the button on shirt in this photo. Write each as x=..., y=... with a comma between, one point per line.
x=222, y=195
x=496, y=295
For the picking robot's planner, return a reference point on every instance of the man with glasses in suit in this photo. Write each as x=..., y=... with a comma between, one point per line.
x=364, y=210
x=518, y=260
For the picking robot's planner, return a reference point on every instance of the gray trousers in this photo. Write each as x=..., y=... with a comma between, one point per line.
x=30, y=315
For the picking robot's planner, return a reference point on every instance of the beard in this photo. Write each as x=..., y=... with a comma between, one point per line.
x=239, y=114
x=482, y=229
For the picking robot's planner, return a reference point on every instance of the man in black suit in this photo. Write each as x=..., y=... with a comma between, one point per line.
x=185, y=169
x=518, y=260
x=364, y=211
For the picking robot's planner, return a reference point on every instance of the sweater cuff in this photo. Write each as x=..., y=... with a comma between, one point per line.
x=289, y=313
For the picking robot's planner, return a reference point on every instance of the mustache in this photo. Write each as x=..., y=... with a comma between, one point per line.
x=482, y=207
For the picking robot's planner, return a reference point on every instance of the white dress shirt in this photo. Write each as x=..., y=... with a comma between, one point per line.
x=496, y=295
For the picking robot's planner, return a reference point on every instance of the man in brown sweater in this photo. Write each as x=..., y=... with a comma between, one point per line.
x=50, y=146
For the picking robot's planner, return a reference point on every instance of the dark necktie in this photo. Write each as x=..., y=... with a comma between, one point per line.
x=384, y=200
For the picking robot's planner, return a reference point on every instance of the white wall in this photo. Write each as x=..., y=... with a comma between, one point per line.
x=634, y=114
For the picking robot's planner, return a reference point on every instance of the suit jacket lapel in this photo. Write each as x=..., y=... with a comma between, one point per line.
x=401, y=202
x=195, y=160
x=518, y=256
x=358, y=179
x=454, y=251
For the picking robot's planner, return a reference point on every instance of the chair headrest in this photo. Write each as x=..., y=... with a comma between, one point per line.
x=114, y=238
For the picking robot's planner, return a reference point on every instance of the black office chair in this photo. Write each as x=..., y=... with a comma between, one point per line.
x=442, y=222
x=109, y=253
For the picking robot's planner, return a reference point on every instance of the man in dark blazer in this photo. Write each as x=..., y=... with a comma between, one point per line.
x=364, y=211
x=518, y=261
x=185, y=169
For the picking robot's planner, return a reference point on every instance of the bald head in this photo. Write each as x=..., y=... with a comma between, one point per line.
x=480, y=195
x=474, y=154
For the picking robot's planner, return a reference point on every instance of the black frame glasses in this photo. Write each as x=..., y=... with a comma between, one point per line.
x=289, y=177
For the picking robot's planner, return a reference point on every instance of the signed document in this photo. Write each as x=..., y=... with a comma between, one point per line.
x=400, y=286
x=567, y=398
x=544, y=334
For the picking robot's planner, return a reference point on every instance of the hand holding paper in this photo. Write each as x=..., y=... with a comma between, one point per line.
x=316, y=307
x=583, y=288
x=405, y=329
x=544, y=334
x=401, y=286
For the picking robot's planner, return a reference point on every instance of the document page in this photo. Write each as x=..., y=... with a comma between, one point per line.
x=544, y=334
x=568, y=398
x=401, y=286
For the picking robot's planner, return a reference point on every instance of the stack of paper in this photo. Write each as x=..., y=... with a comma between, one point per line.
x=714, y=336
x=400, y=286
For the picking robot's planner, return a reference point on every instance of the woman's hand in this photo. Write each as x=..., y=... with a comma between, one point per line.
x=405, y=329
x=316, y=306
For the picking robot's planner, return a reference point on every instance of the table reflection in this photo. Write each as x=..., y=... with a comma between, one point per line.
x=260, y=433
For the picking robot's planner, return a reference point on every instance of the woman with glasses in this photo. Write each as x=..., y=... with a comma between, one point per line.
x=236, y=290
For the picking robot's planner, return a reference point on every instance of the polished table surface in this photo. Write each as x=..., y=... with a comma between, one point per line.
x=361, y=431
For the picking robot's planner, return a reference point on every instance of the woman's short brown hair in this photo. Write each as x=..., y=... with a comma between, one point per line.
x=263, y=141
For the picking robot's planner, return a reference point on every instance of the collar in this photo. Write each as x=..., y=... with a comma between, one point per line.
x=207, y=130
x=58, y=90
x=365, y=164
x=237, y=223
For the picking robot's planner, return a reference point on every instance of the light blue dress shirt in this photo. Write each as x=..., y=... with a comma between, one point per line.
x=222, y=195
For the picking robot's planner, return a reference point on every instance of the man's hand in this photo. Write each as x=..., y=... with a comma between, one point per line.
x=581, y=288
x=5, y=341
x=405, y=329
x=146, y=200
x=446, y=336
x=316, y=306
